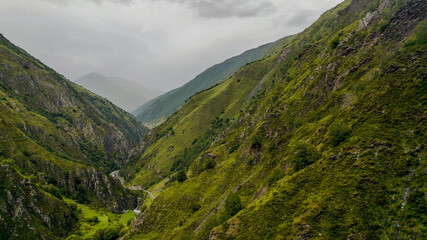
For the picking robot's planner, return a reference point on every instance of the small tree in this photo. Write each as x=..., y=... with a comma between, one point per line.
x=232, y=205
x=304, y=154
x=182, y=176
x=210, y=164
x=195, y=207
x=335, y=42
x=339, y=132
x=256, y=144
x=275, y=176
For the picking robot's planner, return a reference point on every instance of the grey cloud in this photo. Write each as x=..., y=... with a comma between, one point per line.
x=67, y=2
x=205, y=8
x=228, y=8
x=126, y=2
x=302, y=18
x=296, y=20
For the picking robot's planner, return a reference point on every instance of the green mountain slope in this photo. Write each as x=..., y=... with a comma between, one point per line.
x=158, y=110
x=123, y=93
x=191, y=130
x=332, y=146
x=57, y=143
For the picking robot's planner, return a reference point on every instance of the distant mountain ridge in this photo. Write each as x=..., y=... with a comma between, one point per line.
x=126, y=94
x=156, y=111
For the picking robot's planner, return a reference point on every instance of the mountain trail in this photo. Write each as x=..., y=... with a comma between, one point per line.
x=220, y=204
x=404, y=200
x=258, y=87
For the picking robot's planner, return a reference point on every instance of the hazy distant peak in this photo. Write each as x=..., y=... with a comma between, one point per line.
x=122, y=92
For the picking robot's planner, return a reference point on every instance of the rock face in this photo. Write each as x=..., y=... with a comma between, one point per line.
x=385, y=4
x=108, y=190
x=57, y=140
x=405, y=20
x=370, y=16
x=22, y=204
x=89, y=127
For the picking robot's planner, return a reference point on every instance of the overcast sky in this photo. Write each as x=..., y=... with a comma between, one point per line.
x=161, y=44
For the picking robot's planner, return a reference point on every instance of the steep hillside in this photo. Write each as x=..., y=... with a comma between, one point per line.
x=331, y=145
x=58, y=141
x=122, y=92
x=158, y=110
x=173, y=145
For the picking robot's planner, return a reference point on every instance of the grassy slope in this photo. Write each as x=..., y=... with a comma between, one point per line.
x=368, y=185
x=157, y=111
x=193, y=120
x=87, y=227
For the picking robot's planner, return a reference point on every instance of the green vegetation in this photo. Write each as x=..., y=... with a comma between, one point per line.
x=98, y=223
x=58, y=141
x=419, y=36
x=181, y=176
x=275, y=176
x=329, y=146
x=303, y=154
x=322, y=138
x=158, y=110
x=339, y=132
x=232, y=205
x=203, y=117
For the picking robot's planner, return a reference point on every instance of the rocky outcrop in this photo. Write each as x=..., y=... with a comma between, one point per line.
x=370, y=17
x=405, y=20
x=385, y=4
x=85, y=180
x=24, y=207
x=108, y=190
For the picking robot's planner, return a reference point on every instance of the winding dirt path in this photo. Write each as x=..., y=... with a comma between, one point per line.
x=220, y=204
x=115, y=174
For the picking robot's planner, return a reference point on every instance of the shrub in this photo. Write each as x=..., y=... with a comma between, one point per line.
x=74, y=208
x=93, y=219
x=53, y=190
x=275, y=176
x=108, y=233
x=210, y=164
x=304, y=154
x=181, y=176
x=334, y=44
x=195, y=207
x=338, y=132
x=256, y=144
x=232, y=205
x=233, y=148
x=26, y=153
